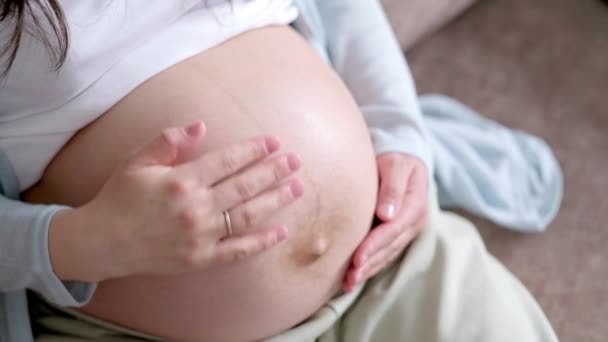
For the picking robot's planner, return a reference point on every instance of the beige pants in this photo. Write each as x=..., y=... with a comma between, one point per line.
x=446, y=288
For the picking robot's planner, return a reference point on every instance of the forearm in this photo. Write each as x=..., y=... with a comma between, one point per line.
x=364, y=51
x=25, y=261
x=24, y=247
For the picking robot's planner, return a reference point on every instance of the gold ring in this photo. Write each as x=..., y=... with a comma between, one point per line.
x=227, y=223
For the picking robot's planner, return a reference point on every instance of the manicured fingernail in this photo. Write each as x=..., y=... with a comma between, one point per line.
x=294, y=162
x=272, y=144
x=388, y=209
x=297, y=188
x=194, y=129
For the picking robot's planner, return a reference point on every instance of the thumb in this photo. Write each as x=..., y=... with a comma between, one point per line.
x=168, y=147
x=393, y=185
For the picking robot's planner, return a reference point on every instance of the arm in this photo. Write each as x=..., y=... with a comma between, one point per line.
x=365, y=53
x=24, y=252
x=180, y=229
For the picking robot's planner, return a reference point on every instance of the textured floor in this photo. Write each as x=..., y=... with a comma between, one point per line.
x=541, y=66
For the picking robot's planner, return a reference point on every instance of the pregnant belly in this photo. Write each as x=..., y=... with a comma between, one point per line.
x=267, y=81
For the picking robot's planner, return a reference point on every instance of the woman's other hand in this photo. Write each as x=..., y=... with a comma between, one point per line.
x=159, y=214
x=402, y=209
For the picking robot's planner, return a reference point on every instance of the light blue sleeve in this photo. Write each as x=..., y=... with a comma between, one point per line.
x=24, y=253
x=364, y=51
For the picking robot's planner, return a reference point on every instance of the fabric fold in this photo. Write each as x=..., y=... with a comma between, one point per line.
x=507, y=176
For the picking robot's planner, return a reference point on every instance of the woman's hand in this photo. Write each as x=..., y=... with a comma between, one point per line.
x=402, y=210
x=159, y=214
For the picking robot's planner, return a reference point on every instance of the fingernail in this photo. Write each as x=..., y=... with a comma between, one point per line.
x=281, y=234
x=194, y=129
x=389, y=210
x=358, y=276
x=272, y=144
x=293, y=161
x=297, y=188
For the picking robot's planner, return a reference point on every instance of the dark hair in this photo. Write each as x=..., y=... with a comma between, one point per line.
x=46, y=17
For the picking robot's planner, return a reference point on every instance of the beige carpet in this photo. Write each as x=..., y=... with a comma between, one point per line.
x=541, y=66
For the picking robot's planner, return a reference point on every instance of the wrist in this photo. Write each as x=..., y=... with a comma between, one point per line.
x=75, y=249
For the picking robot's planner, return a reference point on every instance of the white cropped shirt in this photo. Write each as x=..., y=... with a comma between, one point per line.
x=115, y=45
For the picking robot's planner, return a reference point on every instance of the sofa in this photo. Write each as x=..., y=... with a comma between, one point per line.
x=539, y=66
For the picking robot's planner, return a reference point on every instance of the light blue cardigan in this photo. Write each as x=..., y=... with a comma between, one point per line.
x=350, y=34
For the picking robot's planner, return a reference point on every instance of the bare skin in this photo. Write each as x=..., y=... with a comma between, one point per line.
x=181, y=226
x=245, y=87
x=403, y=213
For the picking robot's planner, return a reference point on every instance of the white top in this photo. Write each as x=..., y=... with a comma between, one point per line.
x=115, y=45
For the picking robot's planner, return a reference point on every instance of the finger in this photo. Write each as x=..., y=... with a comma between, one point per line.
x=169, y=145
x=394, y=175
x=259, y=178
x=359, y=273
x=387, y=255
x=405, y=237
x=415, y=202
x=222, y=163
x=255, y=211
x=377, y=239
x=373, y=270
x=237, y=248
x=350, y=279
x=413, y=208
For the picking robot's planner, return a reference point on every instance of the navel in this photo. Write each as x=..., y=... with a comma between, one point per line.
x=309, y=251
